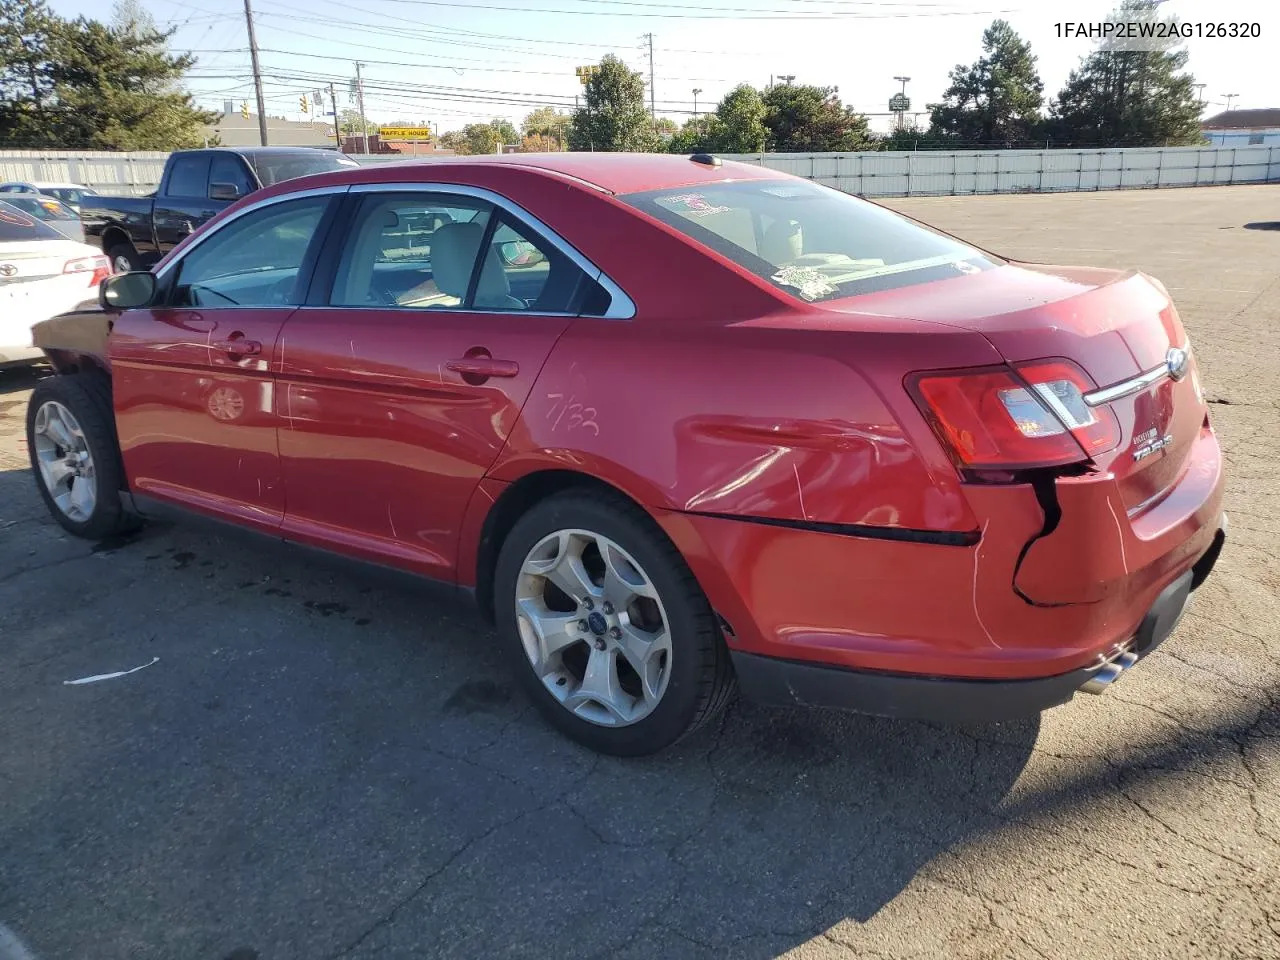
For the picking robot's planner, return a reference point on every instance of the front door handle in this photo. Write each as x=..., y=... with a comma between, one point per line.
x=238, y=347
x=482, y=367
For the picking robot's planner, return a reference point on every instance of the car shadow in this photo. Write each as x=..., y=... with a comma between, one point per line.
x=747, y=838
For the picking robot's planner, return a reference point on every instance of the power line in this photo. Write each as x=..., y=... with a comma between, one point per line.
x=714, y=13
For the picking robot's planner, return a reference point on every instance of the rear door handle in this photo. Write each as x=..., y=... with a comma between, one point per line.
x=484, y=367
x=239, y=347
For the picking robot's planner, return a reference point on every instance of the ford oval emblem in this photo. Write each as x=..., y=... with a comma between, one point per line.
x=1178, y=361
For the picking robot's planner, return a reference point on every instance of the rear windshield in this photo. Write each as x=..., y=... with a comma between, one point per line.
x=18, y=226
x=810, y=241
x=272, y=168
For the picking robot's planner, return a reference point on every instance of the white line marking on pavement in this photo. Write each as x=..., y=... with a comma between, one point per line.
x=106, y=676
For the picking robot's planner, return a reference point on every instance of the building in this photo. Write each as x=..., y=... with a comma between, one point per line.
x=1244, y=128
x=233, y=130
x=354, y=143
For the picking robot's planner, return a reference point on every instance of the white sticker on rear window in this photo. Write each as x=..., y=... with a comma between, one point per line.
x=809, y=283
x=692, y=205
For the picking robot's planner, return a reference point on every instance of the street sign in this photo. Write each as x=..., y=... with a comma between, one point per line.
x=404, y=133
x=899, y=103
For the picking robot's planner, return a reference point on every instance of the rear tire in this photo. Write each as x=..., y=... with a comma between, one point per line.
x=75, y=455
x=667, y=666
x=124, y=258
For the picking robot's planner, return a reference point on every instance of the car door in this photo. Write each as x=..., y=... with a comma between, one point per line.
x=403, y=376
x=193, y=375
x=182, y=204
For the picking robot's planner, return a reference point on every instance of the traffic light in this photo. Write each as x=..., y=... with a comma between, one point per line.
x=302, y=102
x=244, y=109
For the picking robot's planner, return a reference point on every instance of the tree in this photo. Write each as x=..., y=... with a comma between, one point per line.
x=698, y=135
x=1130, y=93
x=996, y=100
x=547, y=121
x=741, y=118
x=812, y=119
x=131, y=17
x=349, y=124
x=482, y=138
x=736, y=126
x=540, y=143
x=26, y=88
x=81, y=84
x=614, y=117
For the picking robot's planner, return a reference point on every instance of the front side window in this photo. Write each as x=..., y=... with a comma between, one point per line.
x=810, y=241
x=227, y=168
x=254, y=261
x=189, y=176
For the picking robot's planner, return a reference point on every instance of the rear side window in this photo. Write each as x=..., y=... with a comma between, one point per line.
x=410, y=250
x=189, y=177
x=18, y=226
x=442, y=252
x=810, y=241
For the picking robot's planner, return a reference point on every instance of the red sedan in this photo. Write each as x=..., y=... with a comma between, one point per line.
x=674, y=423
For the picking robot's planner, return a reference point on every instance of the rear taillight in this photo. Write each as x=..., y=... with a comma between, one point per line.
x=98, y=268
x=1021, y=418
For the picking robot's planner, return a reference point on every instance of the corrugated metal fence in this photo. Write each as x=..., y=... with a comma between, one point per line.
x=124, y=174
x=933, y=173
x=869, y=174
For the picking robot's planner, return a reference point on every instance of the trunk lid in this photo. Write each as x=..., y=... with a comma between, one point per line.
x=1114, y=325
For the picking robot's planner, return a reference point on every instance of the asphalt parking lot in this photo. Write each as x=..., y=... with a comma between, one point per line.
x=317, y=767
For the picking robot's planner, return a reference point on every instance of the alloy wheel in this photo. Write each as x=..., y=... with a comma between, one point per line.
x=66, y=465
x=593, y=627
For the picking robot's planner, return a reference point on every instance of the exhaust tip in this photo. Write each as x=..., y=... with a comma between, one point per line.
x=1109, y=673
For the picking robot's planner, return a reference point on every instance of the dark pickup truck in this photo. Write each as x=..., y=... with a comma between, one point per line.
x=135, y=232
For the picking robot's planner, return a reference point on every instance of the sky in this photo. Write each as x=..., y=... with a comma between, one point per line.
x=453, y=63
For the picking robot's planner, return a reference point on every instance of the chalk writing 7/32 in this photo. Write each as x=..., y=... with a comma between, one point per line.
x=568, y=413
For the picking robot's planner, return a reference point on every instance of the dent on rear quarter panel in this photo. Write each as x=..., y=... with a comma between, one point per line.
x=802, y=425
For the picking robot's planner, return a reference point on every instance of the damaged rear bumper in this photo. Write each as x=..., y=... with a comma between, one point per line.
x=777, y=681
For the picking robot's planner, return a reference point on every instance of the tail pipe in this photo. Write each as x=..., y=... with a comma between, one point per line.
x=1109, y=673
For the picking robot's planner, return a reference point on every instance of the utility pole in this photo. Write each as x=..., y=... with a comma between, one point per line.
x=652, y=110
x=333, y=103
x=696, y=91
x=1230, y=97
x=364, y=124
x=1199, y=87
x=257, y=73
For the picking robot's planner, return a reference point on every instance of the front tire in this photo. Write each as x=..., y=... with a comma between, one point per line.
x=606, y=626
x=75, y=455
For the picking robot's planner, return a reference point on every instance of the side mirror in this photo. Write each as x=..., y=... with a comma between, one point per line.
x=127, y=291
x=520, y=253
x=224, y=191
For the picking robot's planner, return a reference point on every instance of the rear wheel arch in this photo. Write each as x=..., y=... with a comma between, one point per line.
x=517, y=500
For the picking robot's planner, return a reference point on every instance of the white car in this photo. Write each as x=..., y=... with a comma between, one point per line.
x=42, y=274
x=69, y=193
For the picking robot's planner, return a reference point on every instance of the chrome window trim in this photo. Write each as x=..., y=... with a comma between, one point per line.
x=201, y=238
x=621, y=306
